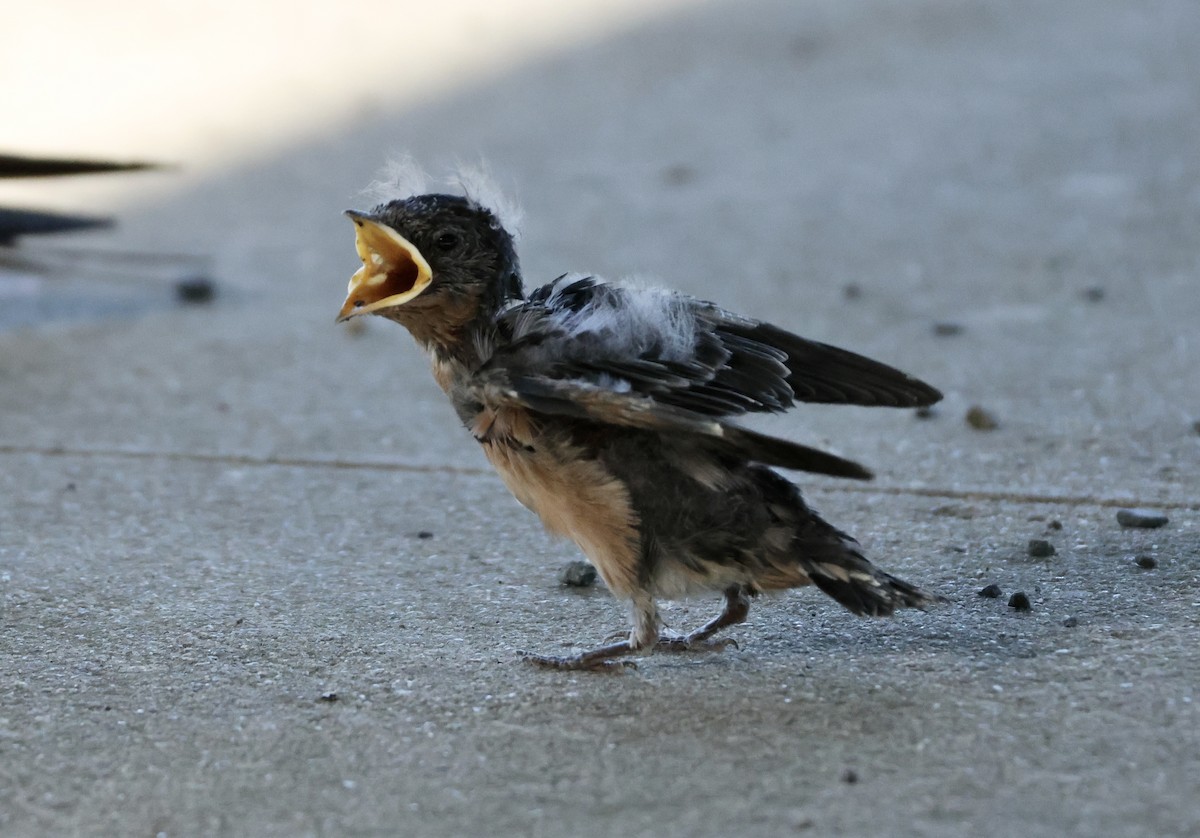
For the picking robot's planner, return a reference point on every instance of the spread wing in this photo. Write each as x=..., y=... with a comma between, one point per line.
x=585, y=400
x=659, y=360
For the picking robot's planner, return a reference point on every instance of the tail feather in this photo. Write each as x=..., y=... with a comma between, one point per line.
x=839, y=569
x=879, y=594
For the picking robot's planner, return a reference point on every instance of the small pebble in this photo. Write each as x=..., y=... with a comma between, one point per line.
x=195, y=289
x=577, y=575
x=1019, y=601
x=925, y=412
x=1055, y=525
x=1071, y=622
x=1146, y=562
x=1094, y=294
x=1143, y=518
x=329, y=698
x=992, y=592
x=424, y=535
x=980, y=419
x=679, y=174
x=947, y=330
x=1040, y=548
x=850, y=776
x=852, y=291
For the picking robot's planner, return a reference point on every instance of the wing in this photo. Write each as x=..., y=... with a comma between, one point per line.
x=824, y=374
x=661, y=361
x=585, y=400
x=690, y=354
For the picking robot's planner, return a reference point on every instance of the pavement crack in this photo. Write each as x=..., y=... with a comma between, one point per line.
x=1036, y=498
x=270, y=461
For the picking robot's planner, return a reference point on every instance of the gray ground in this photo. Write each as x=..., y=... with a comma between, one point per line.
x=211, y=515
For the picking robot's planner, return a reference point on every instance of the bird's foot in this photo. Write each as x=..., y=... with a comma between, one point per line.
x=604, y=659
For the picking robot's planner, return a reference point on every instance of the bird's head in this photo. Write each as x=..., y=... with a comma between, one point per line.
x=429, y=257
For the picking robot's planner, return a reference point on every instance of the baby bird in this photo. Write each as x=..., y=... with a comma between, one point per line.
x=609, y=411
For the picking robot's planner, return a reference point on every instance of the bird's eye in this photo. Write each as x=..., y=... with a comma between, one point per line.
x=446, y=241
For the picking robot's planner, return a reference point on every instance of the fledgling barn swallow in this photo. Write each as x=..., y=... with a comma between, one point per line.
x=609, y=411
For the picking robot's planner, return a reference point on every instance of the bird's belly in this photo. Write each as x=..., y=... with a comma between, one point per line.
x=576, y=497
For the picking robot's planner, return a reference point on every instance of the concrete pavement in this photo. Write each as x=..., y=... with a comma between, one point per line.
x=255, y=581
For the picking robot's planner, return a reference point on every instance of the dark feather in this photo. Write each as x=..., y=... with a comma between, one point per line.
x=877, y=600
x=820, y=373
x=734, y=365
x=578, y=347
x=773, y=451
x=579, y=400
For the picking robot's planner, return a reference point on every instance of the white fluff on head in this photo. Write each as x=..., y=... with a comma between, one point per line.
x=403, y=177
x=479, y=186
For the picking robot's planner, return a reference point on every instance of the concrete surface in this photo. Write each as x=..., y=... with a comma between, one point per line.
x=220, y=615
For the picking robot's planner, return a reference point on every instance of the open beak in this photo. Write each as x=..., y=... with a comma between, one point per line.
x=393, y=270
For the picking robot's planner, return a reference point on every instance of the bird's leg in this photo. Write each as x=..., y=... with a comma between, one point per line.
x=645, y=635
x=737, y=606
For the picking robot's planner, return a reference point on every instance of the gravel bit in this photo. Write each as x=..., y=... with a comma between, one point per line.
x=1071, y=622
x=991, y=592
x=850, y=776
x=1094, y=294
x=1019, y=601
x=852, y=291
x=1144, y=518
x=947, y=330
x=980, y=419
x=195, y=289
x=577, y=575
x=1055, y=525
x=678, y=174
x=328, y=698
x=1040, y=548
x=1146, y=562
